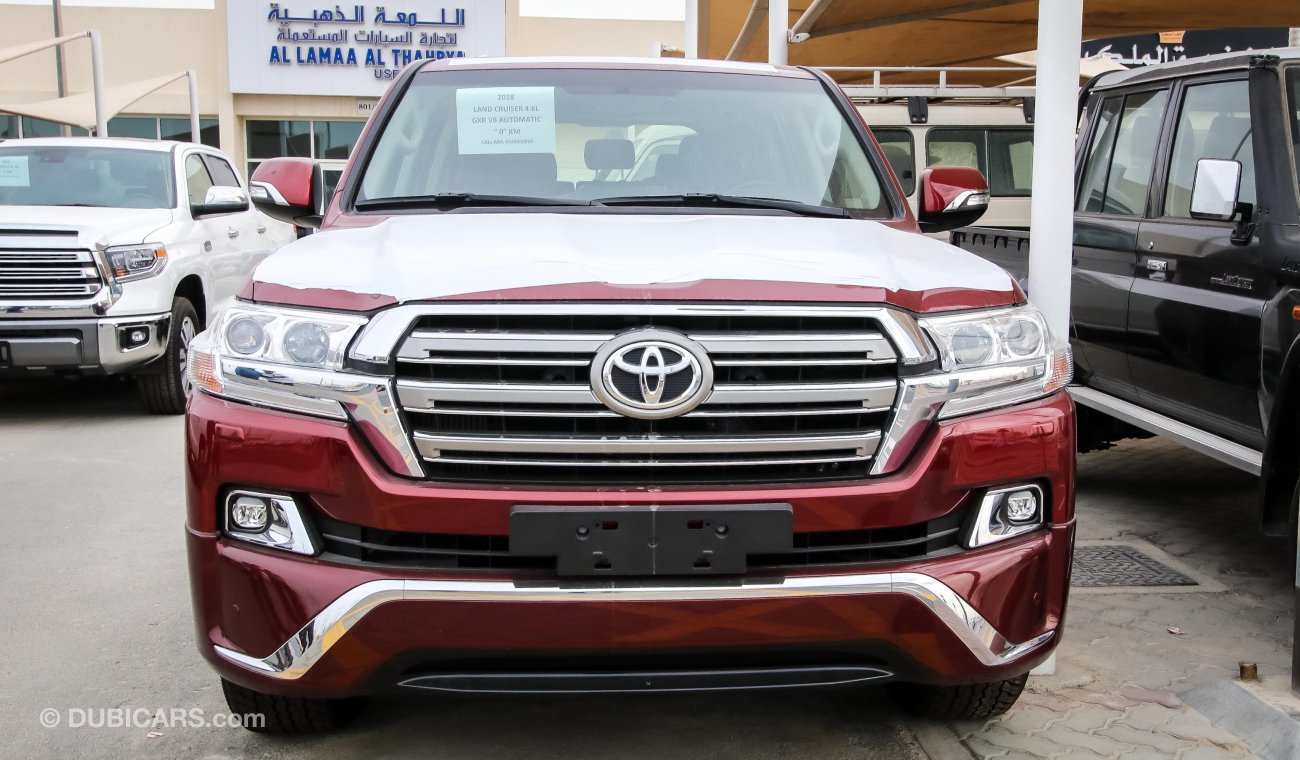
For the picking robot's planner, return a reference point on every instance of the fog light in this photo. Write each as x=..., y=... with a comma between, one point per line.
x=250, y=513
x=1022, y=507
x=132, y=337
x=1005, y=513
x=269, y=519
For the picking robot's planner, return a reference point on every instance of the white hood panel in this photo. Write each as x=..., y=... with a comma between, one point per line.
x=109, y=226
x=424, y=257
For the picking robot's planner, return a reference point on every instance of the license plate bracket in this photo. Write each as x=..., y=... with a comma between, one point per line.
x=655, y=540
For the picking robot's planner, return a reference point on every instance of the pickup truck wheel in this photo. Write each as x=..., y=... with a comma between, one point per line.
x=973, y=701
x=288, y=715
x=166, y=390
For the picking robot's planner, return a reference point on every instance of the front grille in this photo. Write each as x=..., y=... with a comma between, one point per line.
x=45, y=265
x=438, y=551
x=507, y=398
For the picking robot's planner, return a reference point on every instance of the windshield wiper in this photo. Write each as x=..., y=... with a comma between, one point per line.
x=705, y=200
x=460, y=200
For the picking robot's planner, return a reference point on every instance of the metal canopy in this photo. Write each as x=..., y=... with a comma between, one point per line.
x=947, y=32
x=83, y=110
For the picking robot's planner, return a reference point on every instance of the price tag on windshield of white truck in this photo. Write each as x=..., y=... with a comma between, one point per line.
x=505, y=120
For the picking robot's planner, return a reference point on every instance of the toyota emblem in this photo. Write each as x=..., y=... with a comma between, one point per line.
x=651, y=374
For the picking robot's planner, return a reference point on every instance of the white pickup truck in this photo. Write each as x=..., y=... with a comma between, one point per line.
x=115, y=252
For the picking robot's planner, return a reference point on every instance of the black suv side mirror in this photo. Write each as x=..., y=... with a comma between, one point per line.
x=1215, y=189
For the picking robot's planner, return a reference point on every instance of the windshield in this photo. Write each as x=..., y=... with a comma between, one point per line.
x=84, y=176
x=591, y=134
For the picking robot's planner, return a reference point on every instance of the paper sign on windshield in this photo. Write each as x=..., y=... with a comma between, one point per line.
x=505, y=120
x=13, y=172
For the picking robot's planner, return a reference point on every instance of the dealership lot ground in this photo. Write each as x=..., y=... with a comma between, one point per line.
x=96, y=618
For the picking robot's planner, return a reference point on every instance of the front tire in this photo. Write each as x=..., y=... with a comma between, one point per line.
x=272, y=714
x=972, y=701
x=166, y=389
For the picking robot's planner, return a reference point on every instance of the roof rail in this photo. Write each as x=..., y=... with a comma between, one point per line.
x=944, y=86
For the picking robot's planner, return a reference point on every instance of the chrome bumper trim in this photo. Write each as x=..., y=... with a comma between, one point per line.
x=297, y=655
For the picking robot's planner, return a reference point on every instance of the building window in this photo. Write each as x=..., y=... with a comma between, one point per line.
x=162, y=128
x=171, y=128
x=330, y=142
x=42, y=128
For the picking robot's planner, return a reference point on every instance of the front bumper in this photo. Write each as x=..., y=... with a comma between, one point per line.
x=290, y=624
x=87, y=346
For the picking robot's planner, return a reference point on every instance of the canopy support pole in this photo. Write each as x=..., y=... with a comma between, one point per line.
x=692, y=28
x=193, y=78
x=778, y=31
x=97, y=80
x=1051, y=225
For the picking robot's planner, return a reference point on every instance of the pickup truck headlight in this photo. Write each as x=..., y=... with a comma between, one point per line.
x=136, y=262
x=992, y=359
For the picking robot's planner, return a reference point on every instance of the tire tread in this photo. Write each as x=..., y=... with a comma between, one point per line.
x=288, y=715
x=975, y=701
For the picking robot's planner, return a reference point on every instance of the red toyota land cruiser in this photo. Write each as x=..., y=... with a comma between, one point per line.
x=631, y=376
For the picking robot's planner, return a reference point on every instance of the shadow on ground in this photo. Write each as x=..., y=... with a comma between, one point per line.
x=58, y=398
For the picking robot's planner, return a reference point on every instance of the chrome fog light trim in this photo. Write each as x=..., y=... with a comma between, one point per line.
x=1006, y=513
x=282, y=524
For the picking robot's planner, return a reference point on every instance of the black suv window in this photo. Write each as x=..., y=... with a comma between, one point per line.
x=1118, y=173
x=1214, y=123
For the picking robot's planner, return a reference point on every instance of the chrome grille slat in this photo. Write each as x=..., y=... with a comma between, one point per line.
x=425, y=395
x=503, y=394
x=46, y=265
x=504, y=362
x=605, y=463
x=431, y=446
x=602, y=412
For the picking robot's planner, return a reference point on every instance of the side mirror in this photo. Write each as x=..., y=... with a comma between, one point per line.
x=220, y=200
x=289, y=190
x=1215, y=189
x=951, y=197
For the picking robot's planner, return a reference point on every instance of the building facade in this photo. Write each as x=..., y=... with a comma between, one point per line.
x=286, y=78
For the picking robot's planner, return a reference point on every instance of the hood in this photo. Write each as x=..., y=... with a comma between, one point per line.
x=110, y=226
x=541, y=256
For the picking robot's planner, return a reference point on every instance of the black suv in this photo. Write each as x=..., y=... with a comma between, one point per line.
x=1186, y=279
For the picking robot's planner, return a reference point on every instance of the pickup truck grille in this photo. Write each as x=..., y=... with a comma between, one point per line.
x=45, y=265
x=508, y=399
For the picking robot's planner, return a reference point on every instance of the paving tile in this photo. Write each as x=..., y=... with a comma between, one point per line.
x=1034, y=744
x=1115, y=693
x=1093, y=742
x=1144, y=737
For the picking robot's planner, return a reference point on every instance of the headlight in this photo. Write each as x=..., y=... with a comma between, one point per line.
x=985, y=339
x=987, y=359
x=283, y=336
x=289, y=359
x=136, y=262
x=997, y=358
x=292, y=360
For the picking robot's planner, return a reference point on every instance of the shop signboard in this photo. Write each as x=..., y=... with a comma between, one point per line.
x=1150, y=49
x=307, y=47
